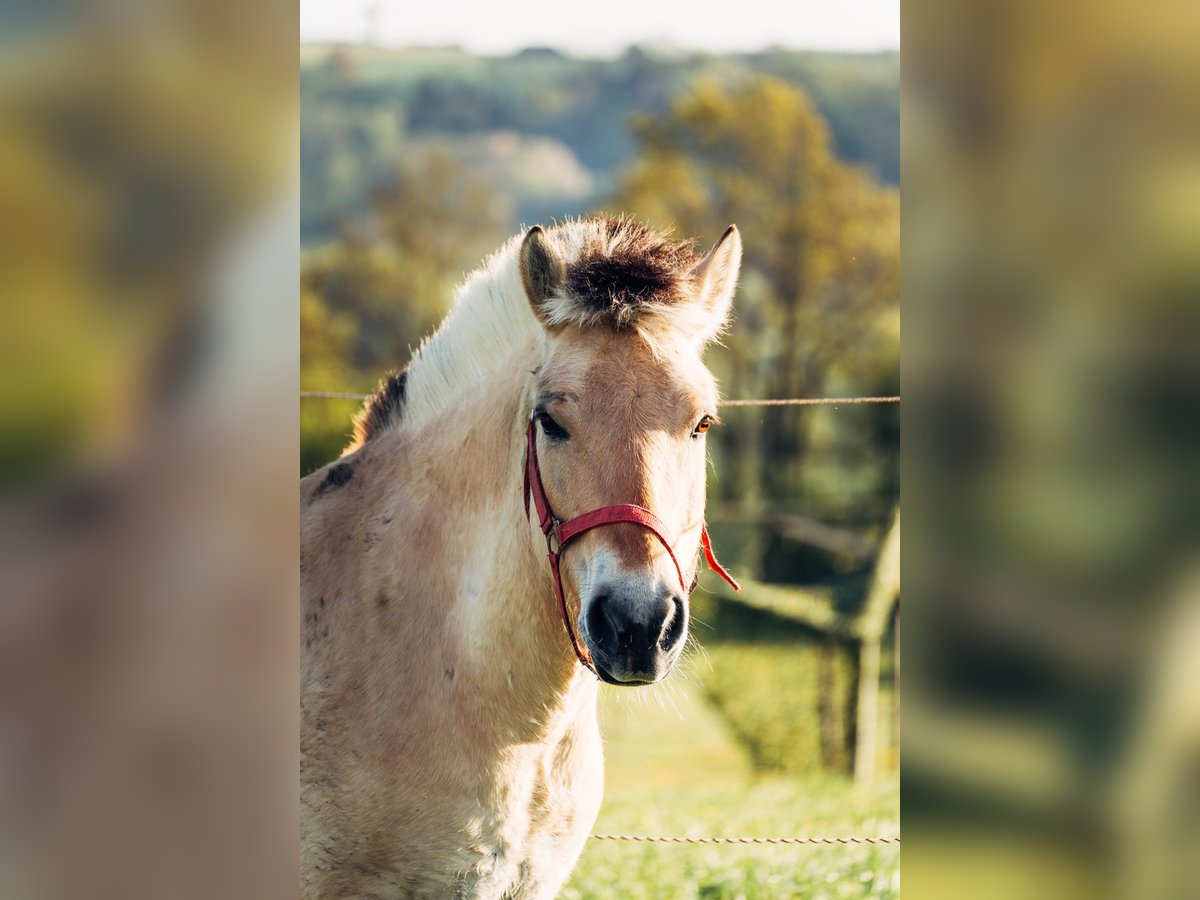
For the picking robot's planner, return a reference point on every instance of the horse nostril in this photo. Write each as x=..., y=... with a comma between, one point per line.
x=599, y=624
x=673, y=626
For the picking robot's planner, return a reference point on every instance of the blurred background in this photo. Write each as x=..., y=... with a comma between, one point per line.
x=1052, y=297
x=148, y=435
x=425, y=148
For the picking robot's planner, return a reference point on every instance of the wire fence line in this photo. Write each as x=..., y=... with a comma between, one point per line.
x=333, y=395
x=816, y=401
x=787, y=401
x=644, y=839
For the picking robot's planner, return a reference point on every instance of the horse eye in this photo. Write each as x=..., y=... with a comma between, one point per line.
x=550, y=428
x=703, y=425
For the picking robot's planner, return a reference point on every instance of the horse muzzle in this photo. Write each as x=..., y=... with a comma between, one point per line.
x=639, y=642
x=634, y=637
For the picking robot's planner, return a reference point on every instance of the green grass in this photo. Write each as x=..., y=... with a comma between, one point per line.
x=764, y=674
x=673, y=768
x=769, y=696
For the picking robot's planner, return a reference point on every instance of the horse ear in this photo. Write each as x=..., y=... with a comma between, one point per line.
x=543, y=273
x=716, y=277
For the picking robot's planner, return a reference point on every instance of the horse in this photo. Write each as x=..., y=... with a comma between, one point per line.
x=453, y=639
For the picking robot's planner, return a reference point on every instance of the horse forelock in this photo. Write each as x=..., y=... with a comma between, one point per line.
x=625, y=270
x=624, y=275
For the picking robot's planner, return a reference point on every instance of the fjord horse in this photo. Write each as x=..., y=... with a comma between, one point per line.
x=540, y=463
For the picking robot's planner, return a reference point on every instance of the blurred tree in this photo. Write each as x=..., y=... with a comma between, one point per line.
x=344, y=151
x=818, y=303
x=394, y=273
x=369, y=298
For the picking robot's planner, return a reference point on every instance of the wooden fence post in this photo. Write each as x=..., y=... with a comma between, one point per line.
x=868, y=710
x=872, y=624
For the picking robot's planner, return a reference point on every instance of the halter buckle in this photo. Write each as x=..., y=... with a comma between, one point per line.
x=553, y=544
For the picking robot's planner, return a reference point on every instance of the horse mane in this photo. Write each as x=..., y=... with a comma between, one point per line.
x=620, y=274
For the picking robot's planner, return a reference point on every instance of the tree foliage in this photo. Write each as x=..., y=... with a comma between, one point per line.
x=368, y=298
x=817, y=309
x=394, y=272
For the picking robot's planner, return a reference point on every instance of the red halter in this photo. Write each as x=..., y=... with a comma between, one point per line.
x=559, y=533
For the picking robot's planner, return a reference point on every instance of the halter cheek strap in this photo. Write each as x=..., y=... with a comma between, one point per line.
x=559, y=533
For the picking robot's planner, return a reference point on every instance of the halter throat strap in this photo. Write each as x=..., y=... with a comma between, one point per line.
x=559, y=534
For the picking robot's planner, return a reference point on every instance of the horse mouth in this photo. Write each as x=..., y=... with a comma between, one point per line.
x=608, y=678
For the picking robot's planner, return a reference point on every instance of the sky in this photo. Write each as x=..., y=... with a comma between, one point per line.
x=606, y=27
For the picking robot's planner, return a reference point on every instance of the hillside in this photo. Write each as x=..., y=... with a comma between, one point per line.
x=547, y=132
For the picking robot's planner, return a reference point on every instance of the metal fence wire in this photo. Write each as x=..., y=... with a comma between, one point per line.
x=643, y=839
x=786, y=401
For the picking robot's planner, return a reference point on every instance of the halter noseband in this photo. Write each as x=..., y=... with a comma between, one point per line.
x=559, y=533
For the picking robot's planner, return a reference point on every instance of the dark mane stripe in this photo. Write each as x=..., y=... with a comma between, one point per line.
x=384, y=409
x=625, y=268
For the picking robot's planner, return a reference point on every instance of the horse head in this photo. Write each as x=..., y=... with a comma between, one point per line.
x=619, y=408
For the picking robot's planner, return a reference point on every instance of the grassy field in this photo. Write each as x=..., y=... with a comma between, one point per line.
x=763, y=673
x=673, y=768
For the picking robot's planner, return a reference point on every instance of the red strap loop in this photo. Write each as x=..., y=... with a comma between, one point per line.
x=559, y=534
x=711, y=558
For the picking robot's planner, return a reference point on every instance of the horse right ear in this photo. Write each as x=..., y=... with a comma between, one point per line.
x=717, y=276
x=543, y=272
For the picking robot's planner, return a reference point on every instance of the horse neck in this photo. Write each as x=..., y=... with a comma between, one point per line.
x=512, y=636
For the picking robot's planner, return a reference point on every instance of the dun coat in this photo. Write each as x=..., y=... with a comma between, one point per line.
x=449, y=743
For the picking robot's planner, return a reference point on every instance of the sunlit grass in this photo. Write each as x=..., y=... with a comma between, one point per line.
x=674, y=769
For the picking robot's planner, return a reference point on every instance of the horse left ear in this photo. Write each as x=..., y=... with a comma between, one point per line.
x=543, y=273
x=716, y=277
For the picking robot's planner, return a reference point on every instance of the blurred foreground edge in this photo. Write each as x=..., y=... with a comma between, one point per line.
x=1052, y=203
x=148, y=357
